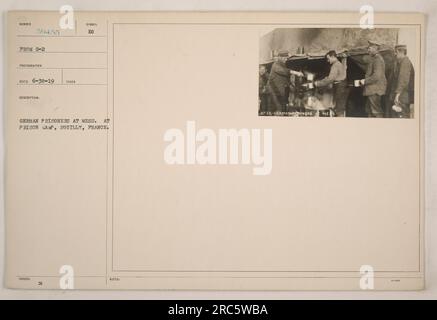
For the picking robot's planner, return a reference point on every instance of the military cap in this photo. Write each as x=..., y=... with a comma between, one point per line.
x=373, y=43
x=400, y=46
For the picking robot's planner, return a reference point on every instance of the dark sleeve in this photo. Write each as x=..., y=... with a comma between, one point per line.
x=260, y=82
x=378, y=72
x=283, y=71
x=404, y=77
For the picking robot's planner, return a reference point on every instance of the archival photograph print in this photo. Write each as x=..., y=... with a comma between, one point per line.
x=337, y=72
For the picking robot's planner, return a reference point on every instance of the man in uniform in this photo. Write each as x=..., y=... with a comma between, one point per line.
x=279, y=83
x=375, y=83
x=403, y=91
x=262, y=88
x=336, y=78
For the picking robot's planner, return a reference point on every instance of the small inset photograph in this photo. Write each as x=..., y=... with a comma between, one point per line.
x=337, y=72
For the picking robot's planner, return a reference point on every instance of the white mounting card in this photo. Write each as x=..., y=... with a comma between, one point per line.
x=218, y=151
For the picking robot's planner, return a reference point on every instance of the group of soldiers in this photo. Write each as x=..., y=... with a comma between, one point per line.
x=274, y=87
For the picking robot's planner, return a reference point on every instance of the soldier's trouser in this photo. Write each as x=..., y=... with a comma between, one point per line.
x=373, y=106
x=277, y=102
x=264, y=105
x=341, y=93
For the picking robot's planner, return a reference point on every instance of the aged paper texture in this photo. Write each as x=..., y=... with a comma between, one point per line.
x=142, y=153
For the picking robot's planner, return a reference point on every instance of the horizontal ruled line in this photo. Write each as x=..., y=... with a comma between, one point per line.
x=63, y=84
x=59, y=68
x=42, y=52
x=239, y=277
x=44, y=36
x=46, y=276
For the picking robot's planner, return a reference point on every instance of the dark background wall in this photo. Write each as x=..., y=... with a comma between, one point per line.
x=318, y=41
